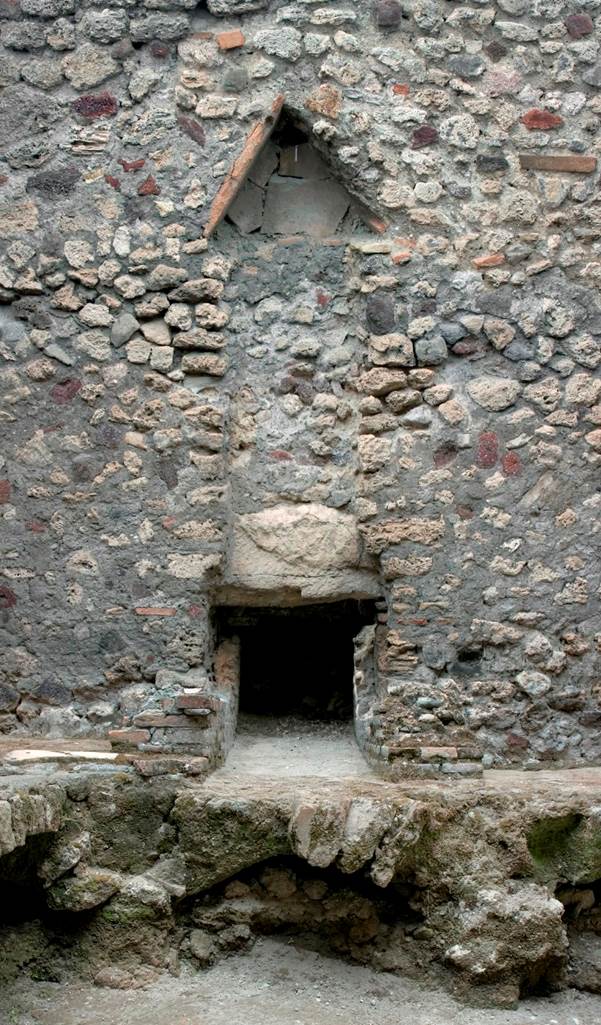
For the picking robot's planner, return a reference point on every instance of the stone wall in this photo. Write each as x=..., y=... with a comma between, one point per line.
x=409, y=409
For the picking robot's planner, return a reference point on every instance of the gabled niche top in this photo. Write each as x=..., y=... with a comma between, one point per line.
x=281, y=185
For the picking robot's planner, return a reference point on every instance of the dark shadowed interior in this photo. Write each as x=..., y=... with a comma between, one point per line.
x=297, y=661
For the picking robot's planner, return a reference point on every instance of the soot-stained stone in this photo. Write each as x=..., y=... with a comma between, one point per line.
x=160, y=50
x=496, y=51
x=8, y=598
x=9, y=697
x=467, y=65
x=380, y=314
x=51, y=691
x=108, y=436
x=235, y=80
x=111, y=640
x=388, y=13
x=93, y=105
x=54, y=184
x=489, y=163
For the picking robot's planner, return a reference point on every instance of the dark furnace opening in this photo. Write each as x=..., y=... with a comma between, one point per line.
x=296, y=662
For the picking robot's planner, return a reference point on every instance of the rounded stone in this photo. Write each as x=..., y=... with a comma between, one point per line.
x=380, y=314
x=388, y=13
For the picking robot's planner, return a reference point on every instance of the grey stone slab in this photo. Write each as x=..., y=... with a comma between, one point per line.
x=265, y=165
x=246, y=211
x=303, y=162
x=299, y=206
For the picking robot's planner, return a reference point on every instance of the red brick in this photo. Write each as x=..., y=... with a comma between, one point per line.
x=132, y=165
x=487, y=453
x=36, y=526
x=511, y=464
x=95, y=105
x=402, y=257
x=113, y=182
x=149, y=187
x=230, y=40
x=5, y=489
x=537, y=120
x=568, y=163
x=150, y=610
x=490, y=260
x=399, y=89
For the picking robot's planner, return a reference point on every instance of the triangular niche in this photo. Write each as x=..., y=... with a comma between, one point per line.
x=291, y=189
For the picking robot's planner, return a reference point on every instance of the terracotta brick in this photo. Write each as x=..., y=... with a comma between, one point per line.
x=132, y=165
x=195, y=701
x=540, y=120
x=234, y=180
x=490, y=260
x=568, y=163
x=129, y=736
x=230, y=40
x=402, y=257
x=150, y=610
x=149, y=187
x=400, y=89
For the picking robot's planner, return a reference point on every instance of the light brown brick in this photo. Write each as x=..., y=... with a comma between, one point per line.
x=568, y=163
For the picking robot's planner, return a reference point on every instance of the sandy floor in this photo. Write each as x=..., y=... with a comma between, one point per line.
x=276, y=984
x=293, y=748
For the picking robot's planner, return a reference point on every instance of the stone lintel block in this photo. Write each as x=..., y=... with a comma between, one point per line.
x=438, y=754
x=566, y=163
